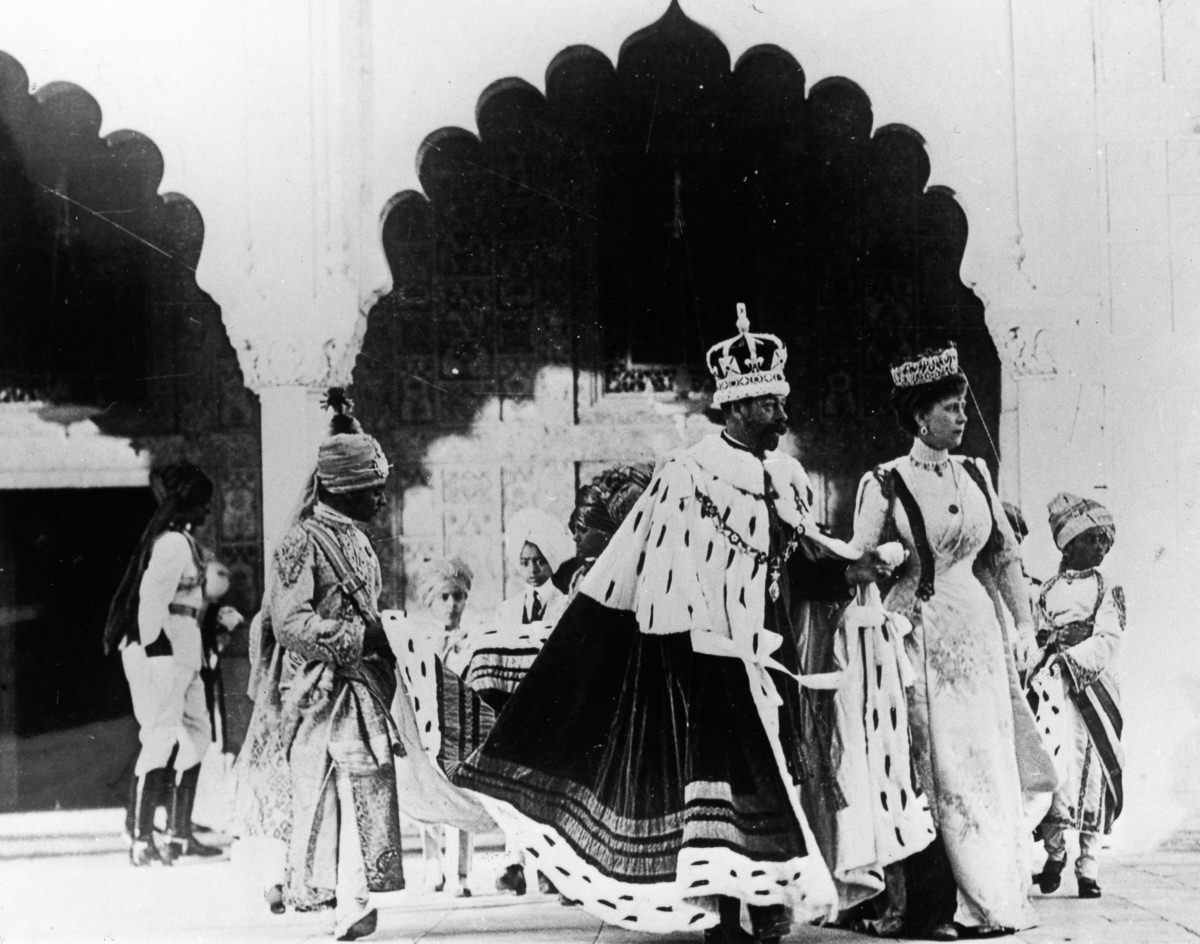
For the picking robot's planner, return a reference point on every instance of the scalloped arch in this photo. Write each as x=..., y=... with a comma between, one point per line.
x=673, y=30
x=551, y=234
x=102, y=267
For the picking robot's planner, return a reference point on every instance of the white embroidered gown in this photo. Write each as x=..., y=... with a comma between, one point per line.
x=961, y=713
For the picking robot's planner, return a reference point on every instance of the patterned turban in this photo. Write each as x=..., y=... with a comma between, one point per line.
x=440, y=574
x=542, y=530
x=605, y=502
x=1071, y=515
x=349, y=459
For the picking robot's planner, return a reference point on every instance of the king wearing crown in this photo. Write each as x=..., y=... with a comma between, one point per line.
x=652, y=759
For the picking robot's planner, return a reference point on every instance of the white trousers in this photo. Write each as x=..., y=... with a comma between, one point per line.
x=351, y=890
x=1054, y=839
x=264, y=860
x=168, y=703
x=447, y=852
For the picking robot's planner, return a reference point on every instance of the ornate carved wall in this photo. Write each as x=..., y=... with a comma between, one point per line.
x=616, y=220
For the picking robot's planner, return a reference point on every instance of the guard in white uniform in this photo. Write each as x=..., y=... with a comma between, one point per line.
x=154, y=623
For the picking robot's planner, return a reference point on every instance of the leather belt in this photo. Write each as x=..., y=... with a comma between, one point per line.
x=182, y=609
x=1072, y=634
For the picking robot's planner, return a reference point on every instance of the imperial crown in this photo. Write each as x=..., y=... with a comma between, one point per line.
x=926, y=368
x=748, y=365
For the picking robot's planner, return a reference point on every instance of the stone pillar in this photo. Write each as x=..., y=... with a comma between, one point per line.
x=290, y=434
x=292, y=252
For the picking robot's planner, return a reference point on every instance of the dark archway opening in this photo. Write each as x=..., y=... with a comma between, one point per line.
x=101, y=319
x=612, y=223
x=71, y=708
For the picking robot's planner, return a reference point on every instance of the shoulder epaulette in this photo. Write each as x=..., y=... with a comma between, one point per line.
x=291, y=555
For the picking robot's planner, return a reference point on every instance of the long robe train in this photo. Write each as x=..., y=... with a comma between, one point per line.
x=433, y=711
x=640, y=799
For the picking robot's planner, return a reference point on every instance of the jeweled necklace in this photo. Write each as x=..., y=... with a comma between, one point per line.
x=773, y=562
x=927, y=458
x=939, y=466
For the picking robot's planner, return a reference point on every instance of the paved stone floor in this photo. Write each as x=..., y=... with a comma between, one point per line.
x=64, y=877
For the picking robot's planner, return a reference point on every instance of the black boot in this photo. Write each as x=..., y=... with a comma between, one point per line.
x=180, y=841
x=147, y=791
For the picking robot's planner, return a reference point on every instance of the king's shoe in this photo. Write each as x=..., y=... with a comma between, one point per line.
x=728, y=934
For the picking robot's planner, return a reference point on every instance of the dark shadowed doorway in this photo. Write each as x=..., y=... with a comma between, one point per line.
x=64, y=550
x=612, y=223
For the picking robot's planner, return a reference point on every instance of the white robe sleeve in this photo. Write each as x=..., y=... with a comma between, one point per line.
x=870, y=513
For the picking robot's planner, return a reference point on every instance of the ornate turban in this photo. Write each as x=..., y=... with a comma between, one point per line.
x=349, y=459
x=605, y=501
x=1071, y=515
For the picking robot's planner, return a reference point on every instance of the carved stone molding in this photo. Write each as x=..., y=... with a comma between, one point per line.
x=1028, y=350
x=297, y=359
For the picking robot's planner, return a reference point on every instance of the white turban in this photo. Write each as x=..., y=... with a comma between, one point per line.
x=438, y=575
x=545, y=532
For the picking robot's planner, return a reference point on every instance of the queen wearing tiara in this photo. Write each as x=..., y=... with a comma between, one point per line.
x=975, y=751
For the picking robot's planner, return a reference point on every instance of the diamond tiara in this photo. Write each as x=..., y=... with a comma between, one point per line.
x=926, y=368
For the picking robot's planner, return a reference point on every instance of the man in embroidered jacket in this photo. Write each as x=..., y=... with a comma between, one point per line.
x=336, y=685
x=651, y=759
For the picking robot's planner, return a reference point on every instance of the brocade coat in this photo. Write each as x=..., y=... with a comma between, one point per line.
x=334, y=708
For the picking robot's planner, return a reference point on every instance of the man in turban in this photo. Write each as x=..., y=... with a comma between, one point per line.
x=1076, y=698
x=651, y=759
x=336, y=683
x=538, y=545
